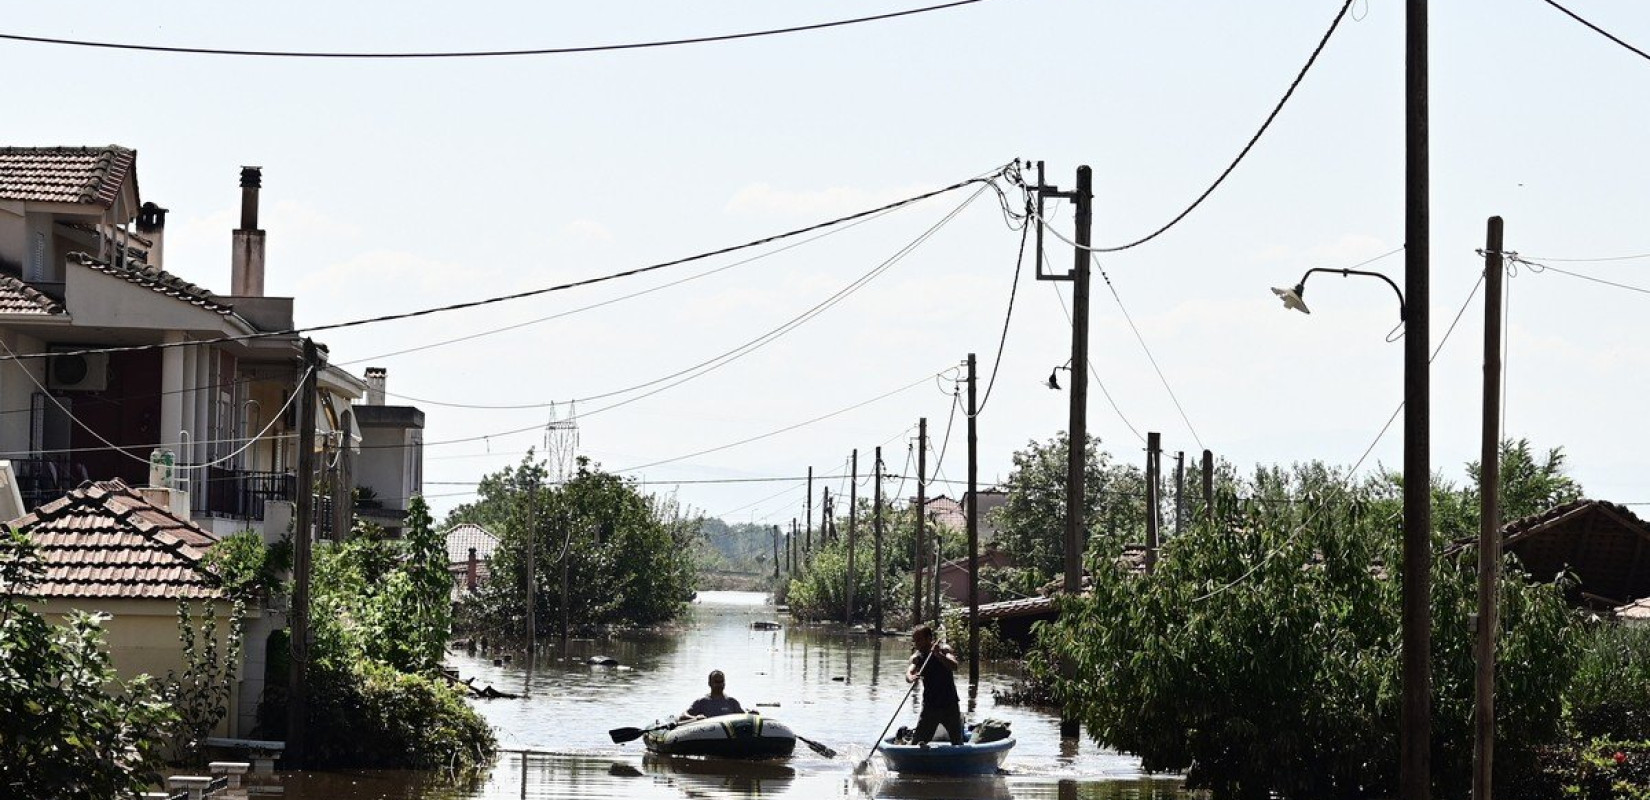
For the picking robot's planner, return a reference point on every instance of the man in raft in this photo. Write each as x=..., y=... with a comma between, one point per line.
x=716, y=703
x=934, y=664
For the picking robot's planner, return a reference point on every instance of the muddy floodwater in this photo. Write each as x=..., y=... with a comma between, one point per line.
x=835, y=688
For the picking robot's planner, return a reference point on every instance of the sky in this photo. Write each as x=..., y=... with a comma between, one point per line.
x=398, y=185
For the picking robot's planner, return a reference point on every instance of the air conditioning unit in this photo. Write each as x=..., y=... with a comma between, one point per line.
x=78, y=373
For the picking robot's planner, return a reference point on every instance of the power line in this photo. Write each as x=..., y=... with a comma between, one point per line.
x=753, y=345
x=592, y=306
x=1596, y=29
x=988, y=177
x=1246, y=148
x=1604, y=258
x=786, y=429
x=1095, y=373
x=542, y=51
x=1002, y=343
x=1149, y=357
x=1538, y=267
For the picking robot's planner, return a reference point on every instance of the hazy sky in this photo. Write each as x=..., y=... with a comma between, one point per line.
x=396, y=185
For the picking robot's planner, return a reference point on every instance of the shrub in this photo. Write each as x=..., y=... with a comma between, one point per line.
x=1610, y=695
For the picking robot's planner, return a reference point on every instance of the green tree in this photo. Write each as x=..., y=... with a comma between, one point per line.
x=1031, y=524
x=1262, y=655
x=1529, y=485
x=72, y=729
x=629, y=556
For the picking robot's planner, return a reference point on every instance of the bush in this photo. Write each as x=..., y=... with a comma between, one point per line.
x=1610, y=695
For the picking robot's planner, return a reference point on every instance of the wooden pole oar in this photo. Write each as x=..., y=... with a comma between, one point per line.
x=860, y=768
x=816, y=747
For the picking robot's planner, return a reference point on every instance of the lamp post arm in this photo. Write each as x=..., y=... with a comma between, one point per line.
x=1402, y=309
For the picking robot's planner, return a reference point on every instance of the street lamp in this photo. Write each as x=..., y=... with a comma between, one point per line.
x=1296, y=298
x=1415, y=724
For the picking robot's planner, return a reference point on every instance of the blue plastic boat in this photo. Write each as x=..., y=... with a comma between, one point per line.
x=944, y=758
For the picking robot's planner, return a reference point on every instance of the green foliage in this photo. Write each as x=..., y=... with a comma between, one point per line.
x=630, y=555
x=1592, y=769
x=819, y=590
x=72, y=729
x=1031, y=524
x=1262, y=655
x=247, y=568
x=429, y=585
x=1610, y=695
x=1528, y=485
x=200, y=696
x=743, y=548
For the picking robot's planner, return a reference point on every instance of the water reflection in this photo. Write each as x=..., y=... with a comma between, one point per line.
x=828, y=685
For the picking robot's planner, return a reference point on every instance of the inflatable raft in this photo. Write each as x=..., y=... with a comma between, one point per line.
x=727, y=736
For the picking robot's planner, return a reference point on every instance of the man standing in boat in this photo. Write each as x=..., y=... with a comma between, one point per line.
x=716, y=703
x=935, y=664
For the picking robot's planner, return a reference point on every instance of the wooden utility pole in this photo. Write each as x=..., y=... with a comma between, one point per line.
x=775, y=552
x=1179, y=492
x=808, y=534
x=1152, y=502
x=973, y=528
x=1209, y=486
x=853, y=516
x=1077, y=432
x=297, y=686
x=922, y=513
x=1489, y=526
x=1415, y=725
x=824, y=515
x=876, y=528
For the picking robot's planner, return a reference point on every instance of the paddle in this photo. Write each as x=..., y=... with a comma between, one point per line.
x=622, y=735
x=859, y=769
x=816, y=747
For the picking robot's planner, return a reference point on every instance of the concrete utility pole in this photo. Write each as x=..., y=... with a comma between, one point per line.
x=922, y=513
x=297, y=686
x=1415, y=728
x=853, y=515
x=973, y=528
x=1152, y=501
x=1489, y=526
x=876, y=527
x=1077, y=432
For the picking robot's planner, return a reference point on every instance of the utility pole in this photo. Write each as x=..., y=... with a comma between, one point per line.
x=302, y=537
x=808, y=535
x=775, y=529
x=922, y=512
x=566, y=556
x=532, y=564
x=824, y=515
x=876, y=527
x=1415, y=725
x=1489, y=525
x=973, y=528
x=1209, y=485
x=1179, y=492
x=1152, y=502
x=796, y=564
x=1077, y=432
x=853, y=515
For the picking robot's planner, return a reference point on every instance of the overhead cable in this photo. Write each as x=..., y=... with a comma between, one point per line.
x=523, y=294
x=540, y=51
x=1596, y=29
x=1246, y=148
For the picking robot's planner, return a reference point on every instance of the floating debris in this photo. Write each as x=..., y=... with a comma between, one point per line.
x=602, y=661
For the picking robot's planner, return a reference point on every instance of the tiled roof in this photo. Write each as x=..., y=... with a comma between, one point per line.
x=460, y=538
x=64, y=174
x=156, y=280
x=17, y=297
x=105, y=540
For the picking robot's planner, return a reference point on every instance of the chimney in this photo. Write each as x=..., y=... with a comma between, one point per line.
x=470, y=571
x=151, y=224
x=246, y=277
x=375, y=385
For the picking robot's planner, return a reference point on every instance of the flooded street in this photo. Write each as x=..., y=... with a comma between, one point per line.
x=832, y=687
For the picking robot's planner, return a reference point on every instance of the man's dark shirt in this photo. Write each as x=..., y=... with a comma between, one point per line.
x=938, y=685
x=708, y=706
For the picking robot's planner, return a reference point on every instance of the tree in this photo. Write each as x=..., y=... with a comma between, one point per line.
x=630, y=554
x=1528, y=485
x=72, y=729
x=1031, y=524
